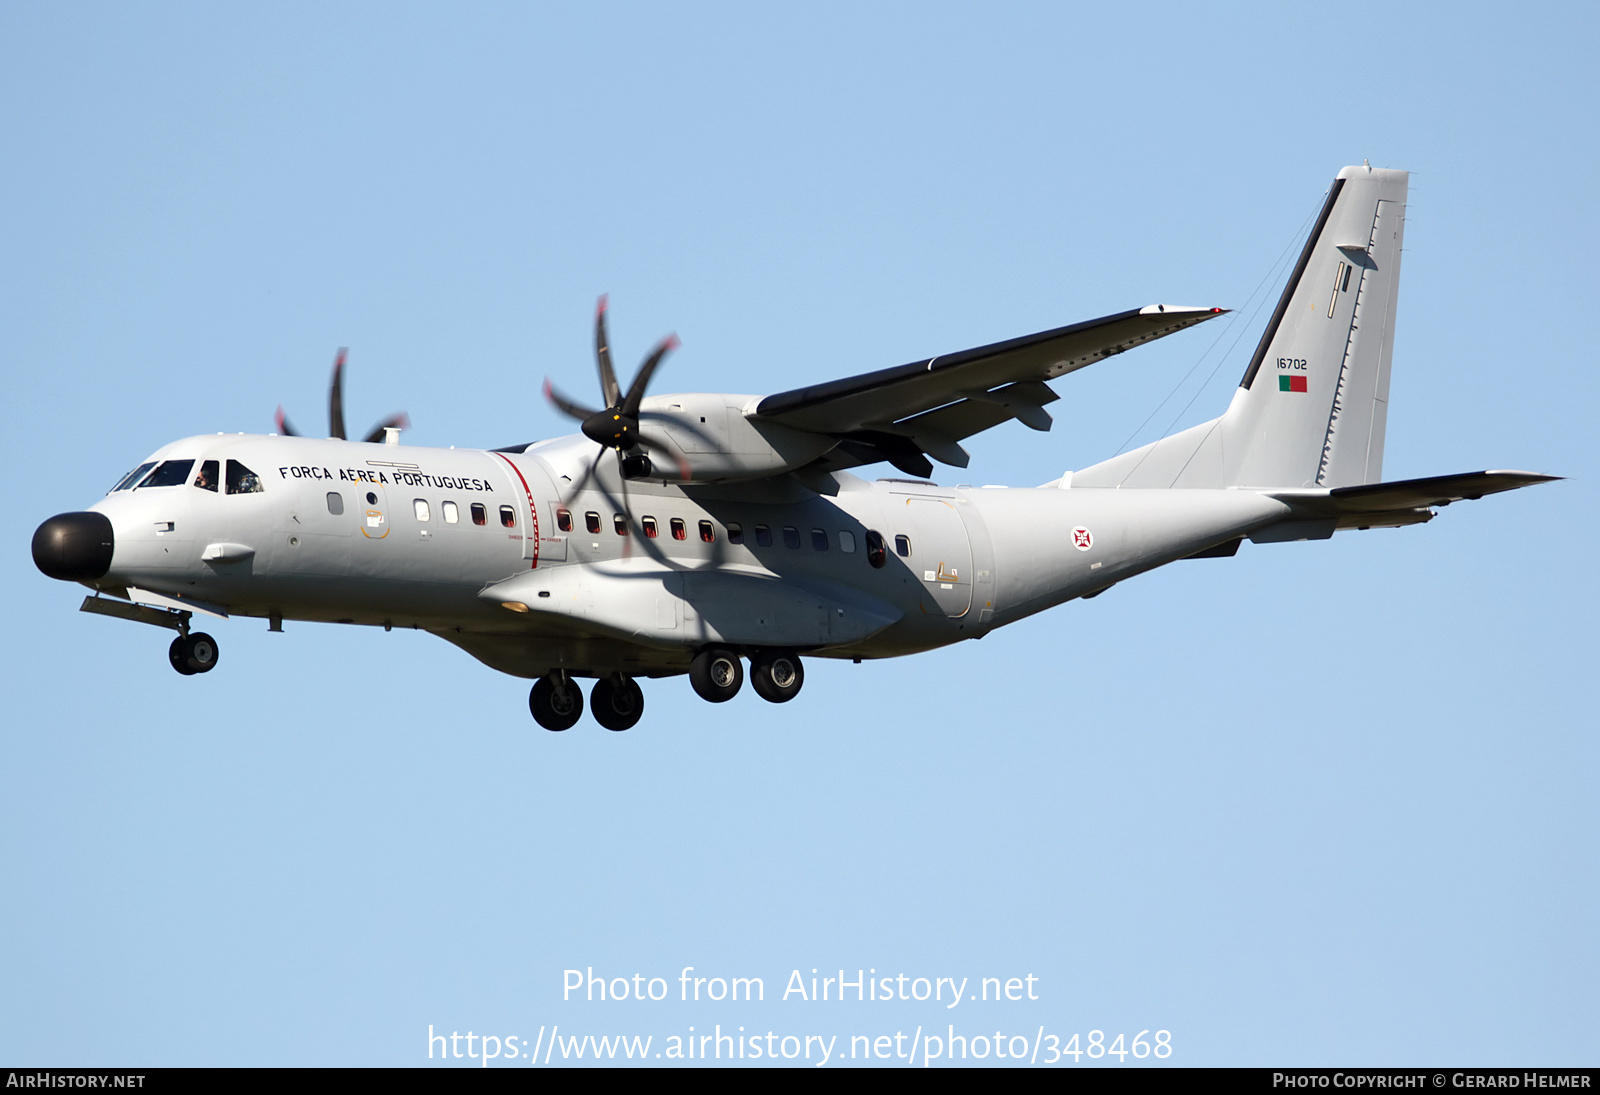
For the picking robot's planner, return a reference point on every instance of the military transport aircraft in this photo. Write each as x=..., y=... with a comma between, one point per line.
x=683, y=533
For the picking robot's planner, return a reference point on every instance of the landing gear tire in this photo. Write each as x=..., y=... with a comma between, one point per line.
x=616, y=702
x=193, y=653
x=556, y=706
x=175, y=655
x=777, y=676
x=716, y=674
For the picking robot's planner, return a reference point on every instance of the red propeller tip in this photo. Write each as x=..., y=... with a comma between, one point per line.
x=672, y=342
x=548, y=390
x=600, y=308
x=338, y=362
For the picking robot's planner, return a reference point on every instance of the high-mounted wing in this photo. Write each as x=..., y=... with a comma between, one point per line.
x=909, y=412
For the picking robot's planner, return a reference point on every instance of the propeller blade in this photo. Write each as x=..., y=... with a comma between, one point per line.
x=398, y=421
x=565, y=405
x=583, y=480
x=283, y=425
x=336, y=398
x=630, y=405
x=634, y=531
x=609, y=388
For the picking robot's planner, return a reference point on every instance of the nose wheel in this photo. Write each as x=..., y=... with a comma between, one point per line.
x=193, y=653
x=557, y=704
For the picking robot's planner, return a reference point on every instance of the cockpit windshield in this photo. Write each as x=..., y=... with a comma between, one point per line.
x=207, y=478
x=171, y=473
x=241, y=480
x=132, y=477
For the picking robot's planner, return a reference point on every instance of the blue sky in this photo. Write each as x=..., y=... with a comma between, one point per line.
x=1318, y=804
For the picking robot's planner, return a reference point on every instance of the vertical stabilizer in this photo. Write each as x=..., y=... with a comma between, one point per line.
x=1313, y=404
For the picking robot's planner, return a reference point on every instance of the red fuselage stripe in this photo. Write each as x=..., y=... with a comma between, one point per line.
x=533, y=510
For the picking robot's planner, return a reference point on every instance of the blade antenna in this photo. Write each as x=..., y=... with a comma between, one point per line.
x=399, y=421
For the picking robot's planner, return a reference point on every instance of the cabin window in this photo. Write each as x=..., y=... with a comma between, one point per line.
x=791, y=536
x=620, y=523
x=564, y=520
x=210, y=474
x=819, y=539
x=877, y=553
x=132, y=477
x=707, y=533
x=335, y=503
x=902, y=546
x=452, y=513
x=419, y=506
x=173, y=473
x=651, y=529
x=847, y=541
x=735, y=534
x=679, y=532
x=508, y=517
x=763, y=536
x=591, y=521
x=241, y=480
x=480, y=516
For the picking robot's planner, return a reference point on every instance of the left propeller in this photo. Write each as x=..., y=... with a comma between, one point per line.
x=336, y=410
x=617, y=425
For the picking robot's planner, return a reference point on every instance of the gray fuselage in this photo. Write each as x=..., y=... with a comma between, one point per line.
x=405, y=536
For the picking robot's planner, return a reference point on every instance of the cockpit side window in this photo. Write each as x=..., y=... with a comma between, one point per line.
x=241, y=480
x=172, y=473
x=208, y=477
x=132, y=477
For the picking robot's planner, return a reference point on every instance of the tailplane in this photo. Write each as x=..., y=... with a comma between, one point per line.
x=1313, y=404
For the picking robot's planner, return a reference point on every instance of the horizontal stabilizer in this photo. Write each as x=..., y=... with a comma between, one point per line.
x=1408, y=494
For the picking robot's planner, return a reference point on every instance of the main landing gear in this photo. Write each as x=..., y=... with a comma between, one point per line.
x=617, y=701
x=717, y=675
x=193, y=653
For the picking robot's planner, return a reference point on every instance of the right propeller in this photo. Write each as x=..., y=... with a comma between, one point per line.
x=616, y=426
x=336, y=410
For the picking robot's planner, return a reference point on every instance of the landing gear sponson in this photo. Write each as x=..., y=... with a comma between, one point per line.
x=617, y=701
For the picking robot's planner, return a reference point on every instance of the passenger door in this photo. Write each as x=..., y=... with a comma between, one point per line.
x=941, y=554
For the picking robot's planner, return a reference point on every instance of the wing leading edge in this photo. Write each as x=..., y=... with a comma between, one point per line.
x=925, y=408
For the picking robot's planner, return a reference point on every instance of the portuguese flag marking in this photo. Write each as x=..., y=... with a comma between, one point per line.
x=1291, y=383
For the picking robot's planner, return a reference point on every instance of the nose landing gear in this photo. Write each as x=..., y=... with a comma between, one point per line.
x=193, y=653
x=556, y=703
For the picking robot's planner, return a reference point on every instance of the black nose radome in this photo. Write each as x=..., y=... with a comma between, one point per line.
x=74, y=546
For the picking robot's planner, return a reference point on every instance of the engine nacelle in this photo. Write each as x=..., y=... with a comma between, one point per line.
x=715, y=438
